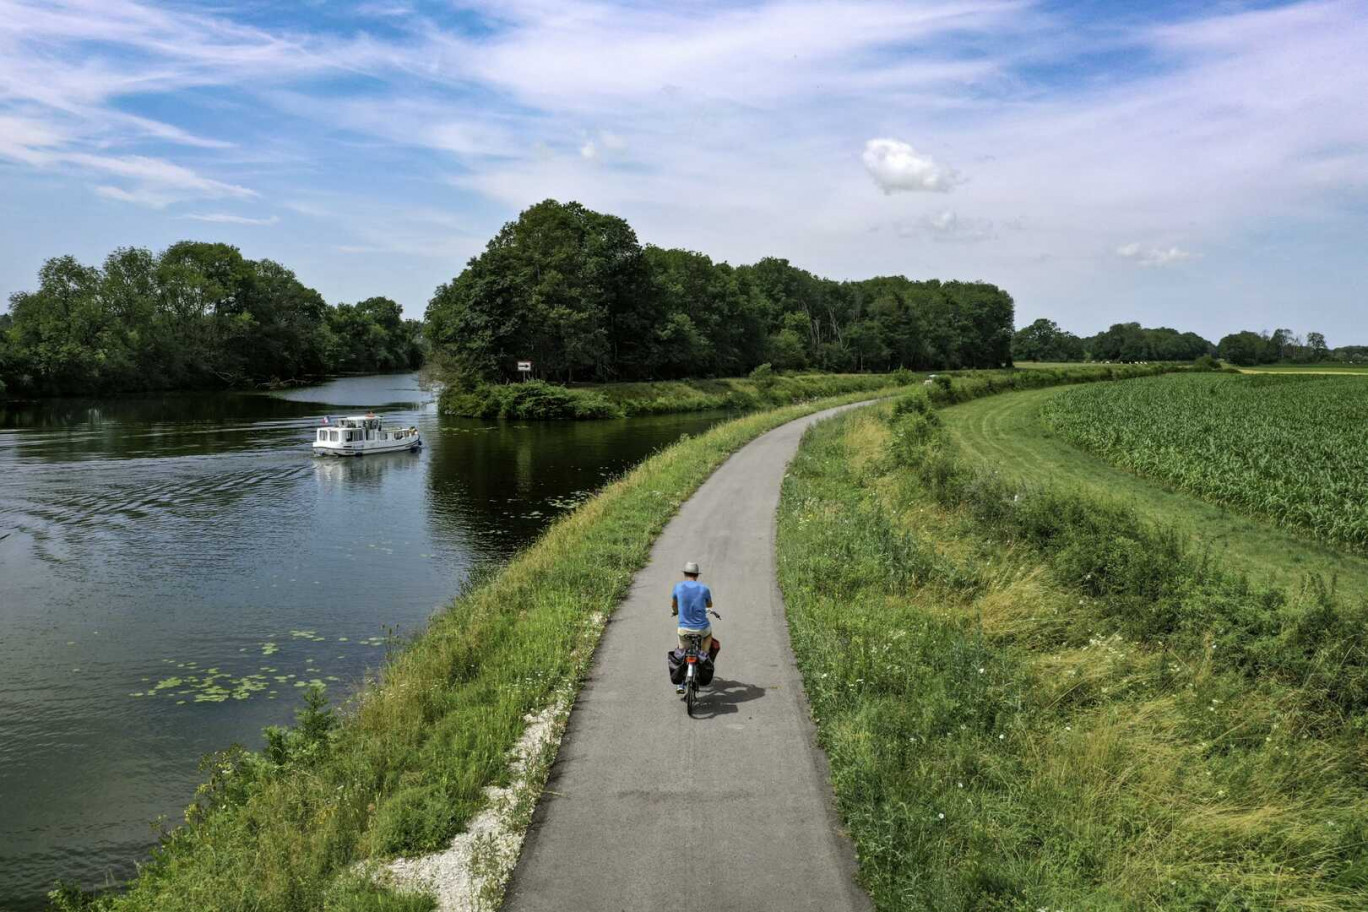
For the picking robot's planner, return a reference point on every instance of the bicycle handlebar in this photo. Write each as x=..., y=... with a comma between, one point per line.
x=714, y=614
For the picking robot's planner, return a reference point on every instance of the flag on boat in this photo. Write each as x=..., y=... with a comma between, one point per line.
x=325, y=419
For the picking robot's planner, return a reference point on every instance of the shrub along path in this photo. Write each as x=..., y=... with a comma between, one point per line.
x=646, y=807
x=1006, y=434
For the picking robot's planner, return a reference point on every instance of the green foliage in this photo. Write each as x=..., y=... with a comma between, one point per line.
x=1283, y=345
x=763, y=377
x=1129, y=342
x=1287, y=447
x=573, y=291
x=1043, y=340
x=534, y=399
x=616, y=400
x=195, y=316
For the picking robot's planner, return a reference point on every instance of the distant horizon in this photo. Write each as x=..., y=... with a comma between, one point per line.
x=1103, y=163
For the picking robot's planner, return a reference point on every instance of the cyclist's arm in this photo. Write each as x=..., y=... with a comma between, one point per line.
x=674, y=605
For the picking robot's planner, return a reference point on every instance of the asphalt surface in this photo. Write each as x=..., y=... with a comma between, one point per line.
x=648, y=809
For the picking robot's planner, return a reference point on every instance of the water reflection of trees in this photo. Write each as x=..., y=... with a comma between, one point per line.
x=502, y=478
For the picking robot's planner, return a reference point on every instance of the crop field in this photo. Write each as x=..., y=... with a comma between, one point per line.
x=1289, y=448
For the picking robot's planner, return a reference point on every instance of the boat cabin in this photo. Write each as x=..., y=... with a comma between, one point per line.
x=358, y=434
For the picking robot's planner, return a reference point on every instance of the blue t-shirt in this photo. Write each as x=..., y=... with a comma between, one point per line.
x=693, y=598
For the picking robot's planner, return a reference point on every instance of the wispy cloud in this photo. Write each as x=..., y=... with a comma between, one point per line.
x=1153, y=256
x=227, y=219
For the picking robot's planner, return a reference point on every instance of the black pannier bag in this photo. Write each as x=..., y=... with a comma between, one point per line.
x=675, y=659
x=706, y=667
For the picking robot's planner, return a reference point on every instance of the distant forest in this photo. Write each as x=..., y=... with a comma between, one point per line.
x=576, y=293
x=1043, y=340
x=196, y=316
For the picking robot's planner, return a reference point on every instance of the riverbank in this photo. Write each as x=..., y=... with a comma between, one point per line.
x=763, y=389
x=541, y=400
x=404, y=767
x=1031, y=697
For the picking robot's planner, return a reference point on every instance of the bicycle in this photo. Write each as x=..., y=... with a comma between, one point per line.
x=693, y=651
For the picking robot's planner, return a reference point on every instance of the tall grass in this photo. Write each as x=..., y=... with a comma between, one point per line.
x=404, y=767
x=1031, y=699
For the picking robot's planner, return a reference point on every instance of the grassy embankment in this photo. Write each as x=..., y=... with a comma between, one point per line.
x=1008, y=435
x=404, y=768
x=1031, y=697
x=540, y=400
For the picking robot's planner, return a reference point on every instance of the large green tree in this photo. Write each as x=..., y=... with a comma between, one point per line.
x=1043, y=340
x=559, y=286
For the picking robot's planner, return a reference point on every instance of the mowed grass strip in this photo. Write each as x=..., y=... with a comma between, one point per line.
x=1288, y=447
x=404, y=768
x=1036, y=700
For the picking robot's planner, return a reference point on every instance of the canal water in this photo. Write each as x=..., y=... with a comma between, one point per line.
x=175, y=570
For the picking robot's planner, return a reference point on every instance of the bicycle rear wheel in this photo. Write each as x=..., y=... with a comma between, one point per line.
x=689, y=695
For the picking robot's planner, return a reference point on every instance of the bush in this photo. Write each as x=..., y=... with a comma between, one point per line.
x=763, y=377
x=535, y=399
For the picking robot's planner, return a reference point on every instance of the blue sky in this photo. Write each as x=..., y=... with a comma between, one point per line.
x=1203, y=166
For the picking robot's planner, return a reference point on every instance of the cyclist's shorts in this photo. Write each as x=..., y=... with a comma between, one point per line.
x=685, y=631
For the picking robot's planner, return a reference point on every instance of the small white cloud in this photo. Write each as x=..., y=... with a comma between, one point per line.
x=589, y=150
x=224, y=218
x=897, y=167
x=948, y=225
x=1153, y=256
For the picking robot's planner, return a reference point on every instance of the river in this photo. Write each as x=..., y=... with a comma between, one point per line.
x=174, y=569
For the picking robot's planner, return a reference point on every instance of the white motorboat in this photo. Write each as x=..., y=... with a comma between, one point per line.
x=363, y=435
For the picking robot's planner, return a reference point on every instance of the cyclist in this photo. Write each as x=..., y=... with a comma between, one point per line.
x=690, y=601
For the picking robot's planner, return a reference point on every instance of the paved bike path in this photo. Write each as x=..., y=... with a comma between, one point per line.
x=646, y=805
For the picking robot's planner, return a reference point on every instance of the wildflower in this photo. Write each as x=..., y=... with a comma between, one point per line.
x=940, y=816
x=980, y=671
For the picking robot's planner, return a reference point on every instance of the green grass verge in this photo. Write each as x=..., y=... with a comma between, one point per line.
x=1032, y=698
x=1007, y=434
x=404, y=768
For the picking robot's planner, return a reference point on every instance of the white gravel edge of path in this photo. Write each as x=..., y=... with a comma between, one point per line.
x=470, y=874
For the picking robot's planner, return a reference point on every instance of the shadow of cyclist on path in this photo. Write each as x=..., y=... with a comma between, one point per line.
x=723, y=697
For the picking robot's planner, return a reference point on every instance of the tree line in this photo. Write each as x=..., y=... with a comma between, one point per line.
x=196, y=316
x=1283, y=345
x=1044, y=340
x=576, y=293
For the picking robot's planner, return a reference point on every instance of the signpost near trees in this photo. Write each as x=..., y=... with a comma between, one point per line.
x=525, y=369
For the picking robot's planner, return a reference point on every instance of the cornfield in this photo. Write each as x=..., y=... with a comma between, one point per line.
x=1293, y=449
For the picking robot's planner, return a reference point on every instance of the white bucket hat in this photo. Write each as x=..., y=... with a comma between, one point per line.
x=691, y=569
